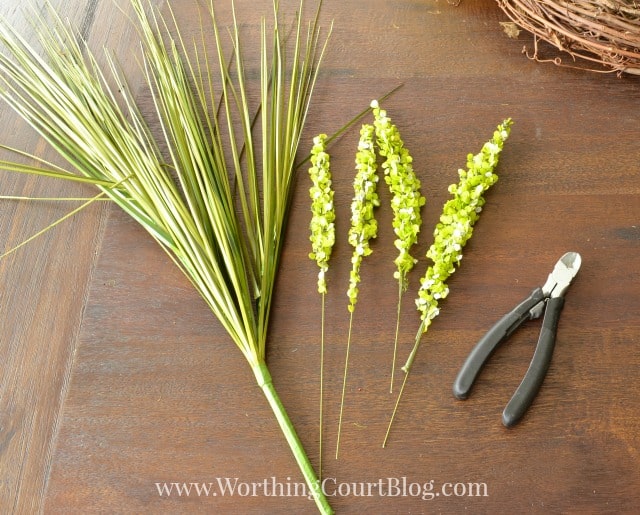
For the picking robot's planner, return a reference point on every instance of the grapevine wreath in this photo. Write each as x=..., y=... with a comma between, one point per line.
x=602, y=35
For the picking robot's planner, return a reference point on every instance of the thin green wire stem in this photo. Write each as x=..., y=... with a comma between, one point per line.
x=406, y=369
x=344, y=384
x=395, y=341
x=321, y=414
x=395, y=409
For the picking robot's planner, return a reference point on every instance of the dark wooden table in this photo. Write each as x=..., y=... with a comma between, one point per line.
x=115, y=377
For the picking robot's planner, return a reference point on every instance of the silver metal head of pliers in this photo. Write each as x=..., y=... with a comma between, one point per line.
x=558, y=281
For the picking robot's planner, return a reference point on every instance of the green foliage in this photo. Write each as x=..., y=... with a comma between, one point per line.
x=454, y=229
x=406, y=199
x=459, y=214
x=364, y=226
x=217, y=197
x=322, y=226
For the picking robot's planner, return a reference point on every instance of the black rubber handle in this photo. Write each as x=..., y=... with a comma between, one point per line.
x=533, y=379
x=490, y=341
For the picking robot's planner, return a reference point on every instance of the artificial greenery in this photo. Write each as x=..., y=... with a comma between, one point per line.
x=406, y=203
x=454, y=229
x=404, y=185
x=216, y=198
x=322, y=226
x=323, y=237
x=363, y=228
x=459, y=215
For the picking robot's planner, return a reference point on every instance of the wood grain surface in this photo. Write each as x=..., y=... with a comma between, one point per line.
x=115, y=377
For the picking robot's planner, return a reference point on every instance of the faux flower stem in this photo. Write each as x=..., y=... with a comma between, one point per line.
x=406, y=203
x=457, y=220
x=364, y=227
x=455, y=228
x=323, y=237
x=263, y=377
x=322, y=224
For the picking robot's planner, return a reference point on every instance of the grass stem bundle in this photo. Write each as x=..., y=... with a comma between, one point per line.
x=217, y=196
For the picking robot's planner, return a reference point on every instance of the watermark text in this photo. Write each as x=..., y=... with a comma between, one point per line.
x=331, y=487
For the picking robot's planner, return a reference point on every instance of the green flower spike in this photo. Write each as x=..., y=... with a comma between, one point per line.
x=459, y=214
x=323, y=237
x=363, y=228
x=406, y=203
x=323, y=234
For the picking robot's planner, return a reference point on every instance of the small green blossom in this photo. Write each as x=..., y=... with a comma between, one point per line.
x=323, y=212
x=364, y=226
x=406, y=199
x=456, y=222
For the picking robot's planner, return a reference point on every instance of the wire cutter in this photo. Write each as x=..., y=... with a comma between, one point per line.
x=548, y=300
